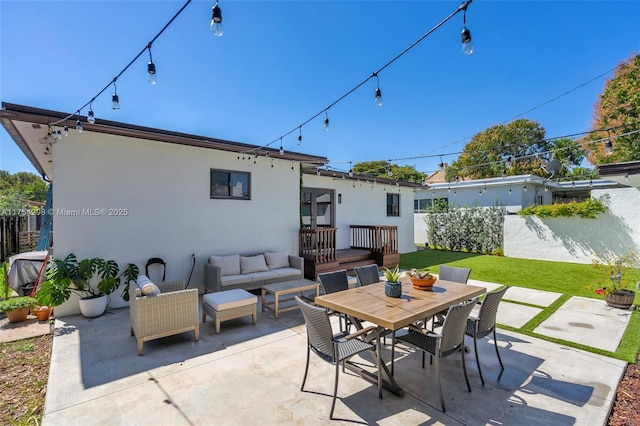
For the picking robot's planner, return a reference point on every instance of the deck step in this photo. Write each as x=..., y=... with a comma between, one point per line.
x=352, y=255
x=350, y=265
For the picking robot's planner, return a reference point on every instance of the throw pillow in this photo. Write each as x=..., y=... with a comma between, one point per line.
x=229, y=265
x=147, y=287
x=249, y=264
x=277, y=260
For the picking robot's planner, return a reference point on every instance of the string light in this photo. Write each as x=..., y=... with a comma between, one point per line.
x=147, y=47
x=151, y=68
x=281, y=148
x=90, y=118
x=378, y=93
x=300, y=136
x=460, y=8
x=216, y=21
x=465, y=36
x=608, y=146
x=65, y=130
x=114, y=98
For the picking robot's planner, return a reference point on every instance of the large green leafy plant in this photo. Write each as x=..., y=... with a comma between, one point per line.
x=68, y=275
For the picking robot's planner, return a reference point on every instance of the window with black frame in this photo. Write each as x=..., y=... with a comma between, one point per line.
x=393, y=204
x=229, y=184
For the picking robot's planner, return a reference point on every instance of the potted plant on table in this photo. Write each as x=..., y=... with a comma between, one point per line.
x=393, y=286
x=68, y=275
x=614, y=281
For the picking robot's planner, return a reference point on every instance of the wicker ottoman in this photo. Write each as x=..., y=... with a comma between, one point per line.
x=229, y=304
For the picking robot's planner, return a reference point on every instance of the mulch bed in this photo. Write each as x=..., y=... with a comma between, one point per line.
x=626, y=409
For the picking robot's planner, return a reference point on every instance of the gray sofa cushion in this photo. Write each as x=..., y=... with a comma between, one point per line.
x=277, y=260
x=229, y=265
x=235, y=279
x=287, y=272
x=263, y=276
x=250, y=264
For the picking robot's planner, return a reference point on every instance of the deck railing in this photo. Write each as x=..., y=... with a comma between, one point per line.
x=376, y=238
x=318, y=245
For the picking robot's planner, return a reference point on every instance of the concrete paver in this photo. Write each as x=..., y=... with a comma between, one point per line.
x=587, y=321
x=531, y=296
x=515, y=315
x=10, y=332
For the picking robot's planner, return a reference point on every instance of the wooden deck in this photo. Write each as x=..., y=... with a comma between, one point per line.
x=370, y=245
x=349, y=259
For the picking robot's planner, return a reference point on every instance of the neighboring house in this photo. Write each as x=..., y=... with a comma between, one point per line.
x=511, y=192
x=130, y=193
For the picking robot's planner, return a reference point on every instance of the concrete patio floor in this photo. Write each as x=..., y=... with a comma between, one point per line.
x=251, y=374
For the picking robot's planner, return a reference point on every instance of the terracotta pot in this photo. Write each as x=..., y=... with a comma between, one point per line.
x=18, y=315
x=622, y=299
x=42, y=313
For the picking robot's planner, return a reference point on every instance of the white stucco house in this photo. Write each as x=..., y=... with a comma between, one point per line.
x=130, y=193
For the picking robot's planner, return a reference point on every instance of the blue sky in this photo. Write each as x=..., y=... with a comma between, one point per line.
x=281, y=62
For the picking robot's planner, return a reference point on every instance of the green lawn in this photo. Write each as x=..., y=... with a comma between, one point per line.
x=570, y=279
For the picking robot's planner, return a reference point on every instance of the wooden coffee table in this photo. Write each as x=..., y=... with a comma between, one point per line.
x=284, y=288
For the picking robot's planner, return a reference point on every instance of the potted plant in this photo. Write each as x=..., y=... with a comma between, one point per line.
x=613, y=281
x=422, y=280
x=393, y=286
x=68, y=275
x=17, y=308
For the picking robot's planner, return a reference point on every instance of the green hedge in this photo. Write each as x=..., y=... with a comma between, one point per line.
x=588, y=209
x=473, y=229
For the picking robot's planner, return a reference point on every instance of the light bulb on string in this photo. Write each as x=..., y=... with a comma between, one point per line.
x=58, y=134
x=300, y=136
x=151, y=69
x=90, y=117
x=378, y=92
x=115, y=101
x=216, y=21
x=79, y=127
x=281, y=148
x=465, y=36
x=608, y=145
x=65, y=130
x=350, y=170
x=326, y=120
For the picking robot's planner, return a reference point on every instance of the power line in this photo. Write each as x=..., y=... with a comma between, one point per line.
x=542, y=104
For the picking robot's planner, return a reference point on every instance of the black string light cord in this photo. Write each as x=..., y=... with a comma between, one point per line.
x=147, y=47
x=462, y=7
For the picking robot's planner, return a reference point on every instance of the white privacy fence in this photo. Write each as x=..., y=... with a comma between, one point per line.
x=571, y=239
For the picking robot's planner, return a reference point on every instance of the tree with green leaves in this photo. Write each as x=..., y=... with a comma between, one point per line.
x=17, y=188
x=516, y=148
x=617, y=112
x=388, y=170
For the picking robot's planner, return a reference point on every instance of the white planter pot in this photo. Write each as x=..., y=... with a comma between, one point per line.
x=93, y=307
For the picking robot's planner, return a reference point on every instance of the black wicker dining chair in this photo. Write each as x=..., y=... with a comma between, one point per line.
x=484, y=324
x=367, y=274
x=449, y=341
x=333, y=348
x=333, y=282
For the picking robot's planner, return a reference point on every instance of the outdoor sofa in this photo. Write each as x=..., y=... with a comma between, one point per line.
x=251, y=271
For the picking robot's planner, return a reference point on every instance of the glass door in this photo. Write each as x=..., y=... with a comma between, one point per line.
x=318, y=208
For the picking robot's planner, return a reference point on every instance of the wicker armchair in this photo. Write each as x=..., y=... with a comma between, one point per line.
x=175, y=310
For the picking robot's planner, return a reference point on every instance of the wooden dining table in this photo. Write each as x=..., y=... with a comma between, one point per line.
x=369, y=303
